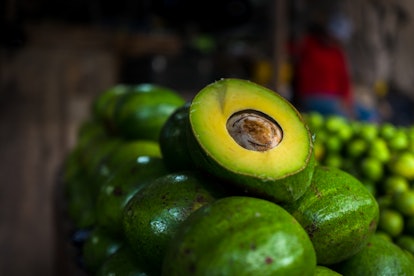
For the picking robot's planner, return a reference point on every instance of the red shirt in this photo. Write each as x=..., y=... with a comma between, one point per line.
x=322, y=69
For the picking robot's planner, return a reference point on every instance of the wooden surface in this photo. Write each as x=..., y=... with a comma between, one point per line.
x=45, y=91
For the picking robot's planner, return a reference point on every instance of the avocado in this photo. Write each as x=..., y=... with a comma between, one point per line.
x=125, y=152
x=406, y=242
x=97, y=247
x=141, y=112
x=173, y=139
x=338, y=213
x=103, y=105
x=380, y=256
x=152, y=215
x=121, y=186
x=80, y=205
x=240, y=235
x=253, y=138
x=123, y=262
x=325, y=271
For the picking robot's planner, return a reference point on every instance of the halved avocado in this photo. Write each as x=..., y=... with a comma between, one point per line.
x=253, y=137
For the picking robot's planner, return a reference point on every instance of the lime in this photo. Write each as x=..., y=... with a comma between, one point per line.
x=403, y=164
x=395, y=184
x=334, y=123
x=378, y=148
x=333, y=160
x=333, y=143
x=346, y=133
x=315, y=120
x=391, y=222
x=404, y=202
x=356, y=147
x=368, y=131
x=399, y=141
x=372, y=168
x=387, y=131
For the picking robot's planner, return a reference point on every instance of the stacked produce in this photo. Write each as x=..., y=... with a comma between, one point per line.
x=233, y=182
x=381, y=156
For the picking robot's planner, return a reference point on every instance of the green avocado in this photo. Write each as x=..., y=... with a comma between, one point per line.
x=125, y=152
x=103, y=105
x=338, y=213
x=123, y=262
x=325, y=271
x=239, y=235
x=97, y=248
x=379, y=257
x=251, y=137
x=141, y=112
x=173, y=139
x=121, y=186
x=153, y=214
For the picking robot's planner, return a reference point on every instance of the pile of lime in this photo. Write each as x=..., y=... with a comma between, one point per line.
x=231, y=182
x=381, y=156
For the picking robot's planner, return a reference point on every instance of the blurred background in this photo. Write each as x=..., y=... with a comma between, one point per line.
x=56, y=56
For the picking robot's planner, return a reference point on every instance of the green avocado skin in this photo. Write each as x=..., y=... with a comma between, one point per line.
x=173, y=140
x=325, y=271
x=379, y=257
x=142, y=111
x=239, y=235
x=120, y=187
x=338, y=213
x=152, y=215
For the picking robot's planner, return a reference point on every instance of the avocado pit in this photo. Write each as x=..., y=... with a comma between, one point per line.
x=254, y=130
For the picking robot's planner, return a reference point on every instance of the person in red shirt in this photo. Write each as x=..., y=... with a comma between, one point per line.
x=322, y=79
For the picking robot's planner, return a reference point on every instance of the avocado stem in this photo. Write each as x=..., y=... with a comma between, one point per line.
x=254, y=130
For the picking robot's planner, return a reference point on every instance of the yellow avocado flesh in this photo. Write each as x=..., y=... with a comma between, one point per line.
x=214, y=105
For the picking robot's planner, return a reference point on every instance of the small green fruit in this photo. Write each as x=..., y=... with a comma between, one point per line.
x=391, y=222
x=403, y=165
x=404, y=202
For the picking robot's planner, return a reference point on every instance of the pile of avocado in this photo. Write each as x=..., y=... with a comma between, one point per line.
x=229, y=183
